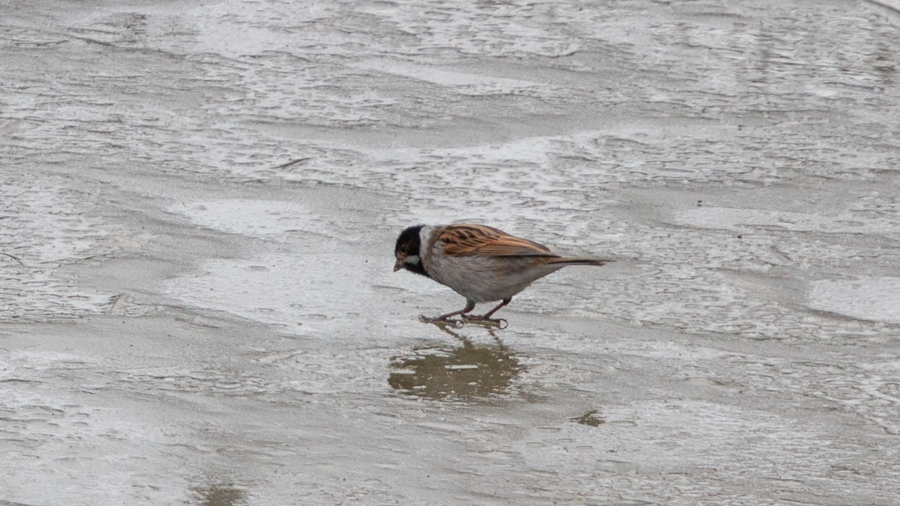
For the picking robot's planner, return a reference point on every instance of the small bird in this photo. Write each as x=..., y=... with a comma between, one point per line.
x=480, y=263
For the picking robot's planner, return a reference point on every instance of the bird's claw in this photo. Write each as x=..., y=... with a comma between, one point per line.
x=500, y=323
x=441, y=322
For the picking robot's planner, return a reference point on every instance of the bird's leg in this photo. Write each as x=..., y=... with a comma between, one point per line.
x=486, y=318
x=469, y=306
x=492, y=311
x=444, y=317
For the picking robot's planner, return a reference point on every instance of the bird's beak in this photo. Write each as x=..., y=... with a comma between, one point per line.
x=398, y=265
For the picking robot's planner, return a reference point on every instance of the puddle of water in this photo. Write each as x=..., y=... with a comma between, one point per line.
x=467, y=372
x=221, y=495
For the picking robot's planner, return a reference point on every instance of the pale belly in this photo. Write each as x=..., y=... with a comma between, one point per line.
x=485, y=279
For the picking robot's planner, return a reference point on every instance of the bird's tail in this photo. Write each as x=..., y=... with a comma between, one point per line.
x=580, y=261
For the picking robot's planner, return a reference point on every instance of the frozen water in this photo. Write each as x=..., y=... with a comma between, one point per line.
x=875, y=299
x=198, y=206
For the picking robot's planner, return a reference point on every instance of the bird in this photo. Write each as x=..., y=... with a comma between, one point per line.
x=481, y=263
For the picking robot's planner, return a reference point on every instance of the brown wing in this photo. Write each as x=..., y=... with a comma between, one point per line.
x=468, y=240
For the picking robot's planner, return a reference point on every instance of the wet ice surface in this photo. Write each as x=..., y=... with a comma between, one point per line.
x=198, y=211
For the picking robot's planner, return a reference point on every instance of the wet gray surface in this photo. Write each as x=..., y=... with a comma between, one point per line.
x=197, y=214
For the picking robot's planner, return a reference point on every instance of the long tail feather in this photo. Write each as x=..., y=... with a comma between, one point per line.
x=580, y=261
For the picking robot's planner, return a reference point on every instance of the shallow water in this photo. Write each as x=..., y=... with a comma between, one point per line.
x=198, y=208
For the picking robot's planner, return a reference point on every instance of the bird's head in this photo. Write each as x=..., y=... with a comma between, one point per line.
x=408, y=251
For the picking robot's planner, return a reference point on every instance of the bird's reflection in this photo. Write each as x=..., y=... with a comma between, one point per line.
x=466, y=372
x=220, y=495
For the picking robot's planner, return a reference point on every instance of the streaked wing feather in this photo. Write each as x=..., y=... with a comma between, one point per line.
x=468, y=240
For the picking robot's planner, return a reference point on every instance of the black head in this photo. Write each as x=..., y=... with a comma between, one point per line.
x=408, y=251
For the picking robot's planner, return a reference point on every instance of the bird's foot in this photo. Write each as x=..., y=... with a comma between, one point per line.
x=500, y=323
x=441, y=321
x=444, y=321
